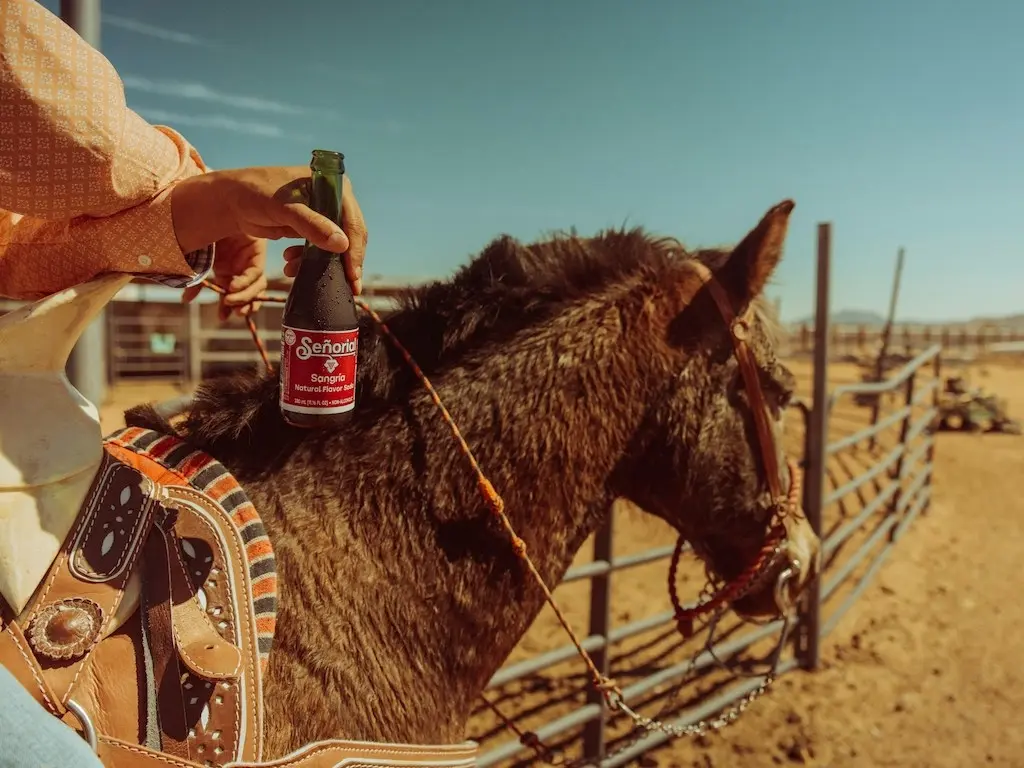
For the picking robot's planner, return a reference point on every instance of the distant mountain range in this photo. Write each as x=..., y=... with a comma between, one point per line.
x=871, y=319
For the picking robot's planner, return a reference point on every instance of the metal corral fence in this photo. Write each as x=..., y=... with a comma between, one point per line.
x=171, y=341
x=168, y=341
x=863, y=487
x=164, y=340
x=908, y=339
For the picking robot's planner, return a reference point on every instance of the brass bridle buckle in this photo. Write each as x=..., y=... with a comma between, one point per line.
x=741, y=329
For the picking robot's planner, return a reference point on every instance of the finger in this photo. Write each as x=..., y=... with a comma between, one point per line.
x=317, y=229
x=245, y=287
x=250, y=295
x=270, y=233
x=243, y=279
x=292, y=260
x=354, y=224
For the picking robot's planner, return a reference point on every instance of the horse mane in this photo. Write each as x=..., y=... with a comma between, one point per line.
x=507, y=287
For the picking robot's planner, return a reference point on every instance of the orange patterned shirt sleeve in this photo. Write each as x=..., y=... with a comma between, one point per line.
x=84, y=181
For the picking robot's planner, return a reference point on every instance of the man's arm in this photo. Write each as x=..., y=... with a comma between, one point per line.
x=85, y=182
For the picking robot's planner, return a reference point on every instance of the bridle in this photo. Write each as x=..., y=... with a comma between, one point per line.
x=711, y=601
x=783, y=504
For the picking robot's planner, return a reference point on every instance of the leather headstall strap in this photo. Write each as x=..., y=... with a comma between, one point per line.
x=739, y=332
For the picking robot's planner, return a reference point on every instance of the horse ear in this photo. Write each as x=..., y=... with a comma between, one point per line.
x=753, y=261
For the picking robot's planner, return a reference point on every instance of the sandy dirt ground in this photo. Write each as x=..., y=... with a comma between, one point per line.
x=923, y=670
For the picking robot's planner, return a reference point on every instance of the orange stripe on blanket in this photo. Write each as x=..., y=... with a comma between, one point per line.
x=244, y=513
x=265, y=586
x=130, y=434
x=258, y=548
x=222, y=486
x=155, y=471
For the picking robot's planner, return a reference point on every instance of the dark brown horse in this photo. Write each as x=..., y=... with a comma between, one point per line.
x=580, y=371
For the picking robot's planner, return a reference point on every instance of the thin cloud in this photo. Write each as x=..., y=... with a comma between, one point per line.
x=201, y=92
x=187, y=38
x=160, y=33
x=221, y=122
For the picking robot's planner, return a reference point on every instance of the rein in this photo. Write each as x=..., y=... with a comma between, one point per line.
x=710, y=604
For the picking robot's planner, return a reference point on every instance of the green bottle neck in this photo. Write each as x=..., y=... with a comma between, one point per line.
x=325, y=194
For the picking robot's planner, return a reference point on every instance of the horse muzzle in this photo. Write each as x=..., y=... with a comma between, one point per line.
x=777, y=590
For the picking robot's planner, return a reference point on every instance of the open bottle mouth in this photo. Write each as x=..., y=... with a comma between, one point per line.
x=327, y=160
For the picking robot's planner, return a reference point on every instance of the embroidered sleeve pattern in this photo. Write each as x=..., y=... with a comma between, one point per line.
x=85, y=182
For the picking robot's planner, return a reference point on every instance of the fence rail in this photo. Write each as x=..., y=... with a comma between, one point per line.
x=902, y=472
x=171, y=341
x=910, y=340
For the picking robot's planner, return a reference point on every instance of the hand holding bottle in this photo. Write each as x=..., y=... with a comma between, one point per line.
x=266, y=202
x=355, y=230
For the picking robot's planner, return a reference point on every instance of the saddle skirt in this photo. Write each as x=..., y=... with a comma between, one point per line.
x=178, y=680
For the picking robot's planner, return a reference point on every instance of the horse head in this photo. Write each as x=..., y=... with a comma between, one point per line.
x=708, y=456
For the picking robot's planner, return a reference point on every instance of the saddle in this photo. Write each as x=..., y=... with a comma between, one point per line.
x=139, y=581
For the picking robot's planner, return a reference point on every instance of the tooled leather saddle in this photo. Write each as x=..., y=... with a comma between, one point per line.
x=151, y=632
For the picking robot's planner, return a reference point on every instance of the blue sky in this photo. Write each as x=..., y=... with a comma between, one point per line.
x=900, y=122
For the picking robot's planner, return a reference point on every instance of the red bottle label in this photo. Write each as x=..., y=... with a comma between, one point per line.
x=318, y=370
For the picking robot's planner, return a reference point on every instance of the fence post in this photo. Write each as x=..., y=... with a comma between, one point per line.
x=816, y=439
x=902, y=466
x=936, y=401
x=113, y=346
x=87, y=364
x=195, y=344
x=600, y=621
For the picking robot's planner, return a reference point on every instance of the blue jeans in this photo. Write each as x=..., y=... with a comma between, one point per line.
x=30, y=737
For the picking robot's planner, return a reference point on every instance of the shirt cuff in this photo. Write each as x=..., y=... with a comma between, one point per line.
x=142, y=242
x=200, y=261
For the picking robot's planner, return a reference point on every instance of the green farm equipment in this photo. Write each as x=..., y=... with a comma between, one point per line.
x=964, y=408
